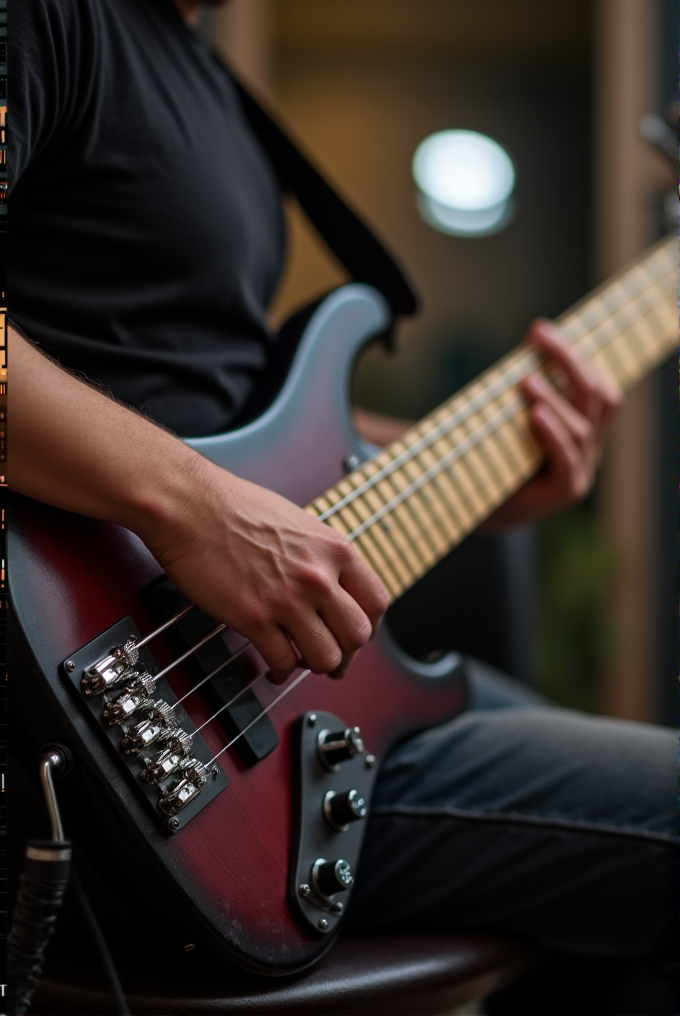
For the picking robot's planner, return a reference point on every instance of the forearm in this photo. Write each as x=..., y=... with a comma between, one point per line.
x=77, y=449
x=248, y=557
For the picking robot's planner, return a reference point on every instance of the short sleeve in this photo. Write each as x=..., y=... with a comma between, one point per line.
x=51, y=63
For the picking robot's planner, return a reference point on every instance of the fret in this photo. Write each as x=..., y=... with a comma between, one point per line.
x=461, y=473
x=616, y=355
x=485, y=473
x=402, y=480
x=446, y=497
x=408, y=542
x=531, y=452
x=429, y=503
x=346, y=520
x=434, y=509
x=500, y=451
x=386, y=538
x=417, y=498
x=660, y=312
x=391, y=487
x=609, y=365
x=624, y=319
x=375, y=539
x=462, y=509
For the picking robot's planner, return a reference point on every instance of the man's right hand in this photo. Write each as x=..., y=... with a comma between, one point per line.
x=248, y=557
x=270, y=571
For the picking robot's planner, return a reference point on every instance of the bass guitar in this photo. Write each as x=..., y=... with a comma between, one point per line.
x=236, y=809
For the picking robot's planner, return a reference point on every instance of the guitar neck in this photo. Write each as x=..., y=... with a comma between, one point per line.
x=407, y=507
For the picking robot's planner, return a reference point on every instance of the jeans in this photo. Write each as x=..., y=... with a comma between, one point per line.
x=529, y=820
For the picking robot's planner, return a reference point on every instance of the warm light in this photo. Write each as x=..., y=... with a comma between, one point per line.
x=465, y=181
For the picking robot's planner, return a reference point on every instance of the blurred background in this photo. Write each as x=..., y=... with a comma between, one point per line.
x=562, y=87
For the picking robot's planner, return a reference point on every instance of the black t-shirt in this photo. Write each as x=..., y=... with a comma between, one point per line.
x=146, y=229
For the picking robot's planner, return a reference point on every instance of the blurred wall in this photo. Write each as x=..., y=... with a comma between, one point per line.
x=362, y=83
x=629, y=179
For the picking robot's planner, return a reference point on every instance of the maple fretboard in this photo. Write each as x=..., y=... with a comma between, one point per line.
x=407, y=507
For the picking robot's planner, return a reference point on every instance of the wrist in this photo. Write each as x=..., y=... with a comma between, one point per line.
x=165, y=500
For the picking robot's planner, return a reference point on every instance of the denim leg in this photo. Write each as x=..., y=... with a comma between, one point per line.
x=525, y=819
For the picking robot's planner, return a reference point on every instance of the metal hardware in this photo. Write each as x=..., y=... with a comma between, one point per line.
x=351, y=463
x=312, y=720
x=213, y=667
x=125, y=705
x=52, y=762
x=338, y=747
x=114, y=668
x=163, y=765
x=337, y=908
x=313, y=837
x=166, y=624
x=323, y=924
x=159, y=721
x=132, y=722
x=341, y=809
x=370, y=761
x=178, y=795
x=331, y=877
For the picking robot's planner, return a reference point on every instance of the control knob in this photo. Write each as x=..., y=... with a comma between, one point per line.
x=330, y=877
x=340, y=746
x=341, y=809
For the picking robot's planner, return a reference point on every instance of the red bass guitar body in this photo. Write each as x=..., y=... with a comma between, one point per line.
x=228, y=875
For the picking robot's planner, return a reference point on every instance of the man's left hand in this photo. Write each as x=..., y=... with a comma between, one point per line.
x=571, y=425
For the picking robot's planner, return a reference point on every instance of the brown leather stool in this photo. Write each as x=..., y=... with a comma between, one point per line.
x=387, y=974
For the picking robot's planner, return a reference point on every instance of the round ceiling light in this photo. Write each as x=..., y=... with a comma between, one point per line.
x=465, y=183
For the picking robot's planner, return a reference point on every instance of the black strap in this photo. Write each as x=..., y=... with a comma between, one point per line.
x=353, y=243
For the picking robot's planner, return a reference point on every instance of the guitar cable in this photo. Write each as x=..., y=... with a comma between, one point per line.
x=42, y=884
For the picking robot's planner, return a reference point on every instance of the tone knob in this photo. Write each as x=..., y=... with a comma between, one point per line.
x=330, y=877
x=339, y=747
x=341, y=809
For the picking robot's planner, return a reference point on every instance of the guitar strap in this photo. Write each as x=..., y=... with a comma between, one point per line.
x=354, y=244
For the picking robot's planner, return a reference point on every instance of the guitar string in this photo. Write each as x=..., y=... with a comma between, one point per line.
x=264, y=712
x=439, y=467
x=490, y=426
x=304, y=674
x=509, y=377
x=232, y=700
x=234, y=656
x=351, y=537
x=176, y=617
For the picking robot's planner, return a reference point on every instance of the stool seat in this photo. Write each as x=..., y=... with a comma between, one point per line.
x=381, y=974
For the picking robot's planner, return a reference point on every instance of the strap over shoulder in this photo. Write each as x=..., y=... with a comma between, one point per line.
x=354, y=244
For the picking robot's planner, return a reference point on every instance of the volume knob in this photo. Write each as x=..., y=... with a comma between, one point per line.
x=330, y=877
x=339, y=747
x=341, y=809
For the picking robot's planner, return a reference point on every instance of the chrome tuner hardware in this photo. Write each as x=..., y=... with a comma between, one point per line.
x=341, y=809
x=167, y=765
x=335, y=748
x=116, y=667
x=331, y=877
